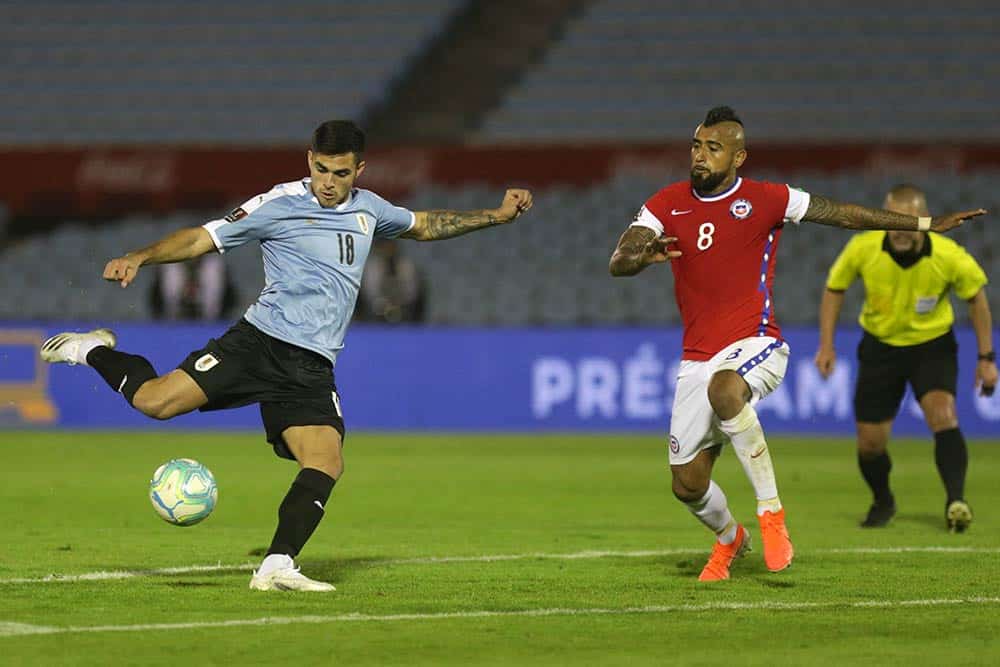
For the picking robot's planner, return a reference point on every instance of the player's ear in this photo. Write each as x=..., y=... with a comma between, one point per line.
x=740, y=158
x=309, y=159
x=361, y=167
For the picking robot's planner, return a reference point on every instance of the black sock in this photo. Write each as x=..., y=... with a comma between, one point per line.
x=952, y=459
x=123, y=372
x=301, y=511
x=875, y=470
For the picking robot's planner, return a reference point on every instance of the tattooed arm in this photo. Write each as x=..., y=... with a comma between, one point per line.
x=639, y=247
x=851, y=216
x=436, y=225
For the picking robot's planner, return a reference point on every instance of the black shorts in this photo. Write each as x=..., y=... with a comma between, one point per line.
x=294, y=386
x=884, y=370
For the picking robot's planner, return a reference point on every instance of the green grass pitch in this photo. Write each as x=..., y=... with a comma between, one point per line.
x=594, y=562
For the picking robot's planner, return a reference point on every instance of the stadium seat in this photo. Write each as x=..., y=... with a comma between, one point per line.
x=640, y=70
x=551, y=268
x=227, y=72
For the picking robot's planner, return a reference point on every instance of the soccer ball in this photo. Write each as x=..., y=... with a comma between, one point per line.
x=183, y=492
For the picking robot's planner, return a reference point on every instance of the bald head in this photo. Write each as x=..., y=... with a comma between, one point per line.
x=906, y=199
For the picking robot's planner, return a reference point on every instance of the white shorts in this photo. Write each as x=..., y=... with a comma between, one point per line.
x=694, y=426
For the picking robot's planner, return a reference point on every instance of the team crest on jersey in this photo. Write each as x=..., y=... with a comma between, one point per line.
x=236, y=214
x=675, y=446
x=363, y=222
x=741, y=209
x=206, y=362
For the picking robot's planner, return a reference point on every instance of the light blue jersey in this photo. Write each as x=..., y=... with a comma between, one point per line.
x=313, y=259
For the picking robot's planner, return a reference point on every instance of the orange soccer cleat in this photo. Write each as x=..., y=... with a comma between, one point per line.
x=778, y=551
x=723, y=555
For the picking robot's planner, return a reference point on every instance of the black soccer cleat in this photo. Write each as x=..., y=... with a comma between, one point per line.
x=879, y=515
x=958, y=516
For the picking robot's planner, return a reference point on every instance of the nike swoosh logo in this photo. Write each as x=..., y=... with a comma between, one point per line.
x=319, y=505
x=122, y=385
x=676, y=212
x=758, y=452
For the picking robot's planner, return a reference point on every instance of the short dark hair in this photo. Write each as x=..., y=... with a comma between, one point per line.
x=335, y=137
x=721, y=115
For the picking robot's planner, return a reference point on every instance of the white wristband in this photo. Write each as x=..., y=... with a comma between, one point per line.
x=923, y=223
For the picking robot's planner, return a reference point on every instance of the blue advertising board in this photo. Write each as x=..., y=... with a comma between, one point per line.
x=444, y=379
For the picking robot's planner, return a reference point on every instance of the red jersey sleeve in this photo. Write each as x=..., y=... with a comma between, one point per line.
x=653, y=213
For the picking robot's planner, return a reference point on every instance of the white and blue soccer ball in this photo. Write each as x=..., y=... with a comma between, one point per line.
x=183, y=492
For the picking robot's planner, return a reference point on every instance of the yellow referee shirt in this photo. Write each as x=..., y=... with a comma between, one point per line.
x=907, y=306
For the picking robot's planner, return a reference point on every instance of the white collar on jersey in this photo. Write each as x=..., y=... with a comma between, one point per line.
x=346, y=202
x=733, y=188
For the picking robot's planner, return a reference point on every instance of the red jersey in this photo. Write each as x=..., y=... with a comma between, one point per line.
x=723, y=279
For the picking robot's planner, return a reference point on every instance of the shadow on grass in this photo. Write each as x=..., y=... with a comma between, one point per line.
x=192, y=584
x=689, y=568
x=932, y=520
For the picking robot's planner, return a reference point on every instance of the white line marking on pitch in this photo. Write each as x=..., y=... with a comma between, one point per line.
x=21, y=629
x=126, y=574
x=487, y=558
x=652, y=553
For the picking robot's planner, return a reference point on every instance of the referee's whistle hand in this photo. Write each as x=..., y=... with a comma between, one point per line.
x=825, y=360
x=986, y=377
x=943, y=223
x=122, y=270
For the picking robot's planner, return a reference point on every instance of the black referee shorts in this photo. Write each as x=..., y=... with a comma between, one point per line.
x=294, y=386
x=884, y=370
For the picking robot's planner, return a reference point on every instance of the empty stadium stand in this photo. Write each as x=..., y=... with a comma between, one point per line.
x=853, y=70
x=224, y=72
x=550, y=268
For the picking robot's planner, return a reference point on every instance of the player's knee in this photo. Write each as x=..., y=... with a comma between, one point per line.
x=688, y=490
x=727, y=394
x=154, y=404
x=330, y=460
x=870, y=447
x=939, y=411
x=334, y=465
x=942, y=419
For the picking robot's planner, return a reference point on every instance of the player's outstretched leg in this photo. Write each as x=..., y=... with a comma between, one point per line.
x=318, y=451
x=704, y=498
x=124, y=373
x=728, y=393
x=130, y=375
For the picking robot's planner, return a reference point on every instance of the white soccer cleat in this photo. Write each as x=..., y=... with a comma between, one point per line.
x=282, y=575
x=72, y=348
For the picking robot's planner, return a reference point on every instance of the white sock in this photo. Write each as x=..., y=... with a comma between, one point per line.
x=713, y=511
x=275, y=562
x=751, y=449
x=85, y=347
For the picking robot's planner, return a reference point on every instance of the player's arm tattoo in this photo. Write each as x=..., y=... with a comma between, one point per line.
x=436, y=225
x=632, y=254
x=851, y=216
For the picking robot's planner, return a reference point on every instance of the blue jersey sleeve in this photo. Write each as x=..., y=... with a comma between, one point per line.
x=250, y=222
x=391, y=220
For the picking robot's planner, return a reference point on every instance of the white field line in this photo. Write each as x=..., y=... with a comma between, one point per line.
x=22, y=629
x=487, y=558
